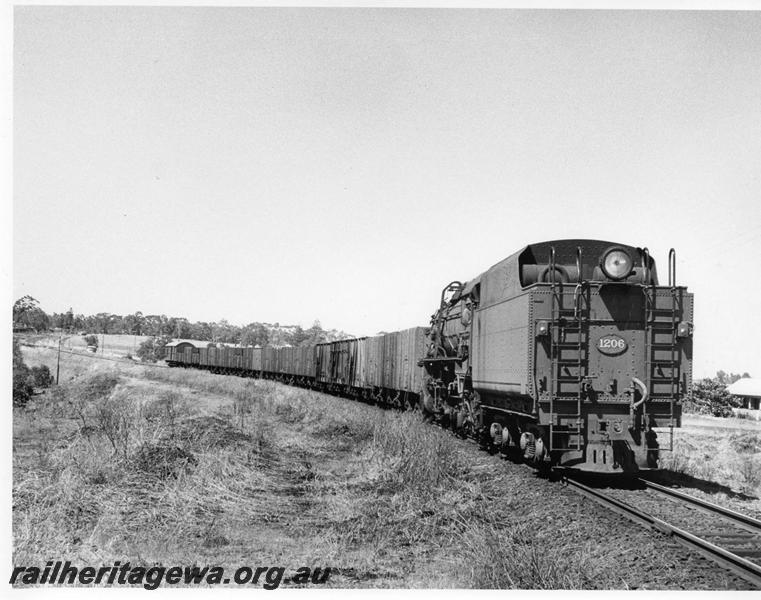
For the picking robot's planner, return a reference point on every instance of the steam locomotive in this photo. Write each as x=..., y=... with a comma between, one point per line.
x=565, y=354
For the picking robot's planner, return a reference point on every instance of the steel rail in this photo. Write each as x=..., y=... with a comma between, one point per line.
x=739, y=519
x=736, y=564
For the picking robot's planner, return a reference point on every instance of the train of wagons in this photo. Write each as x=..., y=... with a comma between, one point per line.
x=566, y=354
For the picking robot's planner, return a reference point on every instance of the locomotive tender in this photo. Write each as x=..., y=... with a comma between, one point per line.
x=567, y=354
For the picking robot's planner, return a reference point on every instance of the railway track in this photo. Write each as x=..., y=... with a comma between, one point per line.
x=729, y=538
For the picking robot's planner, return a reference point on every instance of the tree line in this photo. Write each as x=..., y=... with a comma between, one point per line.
x=27, y=315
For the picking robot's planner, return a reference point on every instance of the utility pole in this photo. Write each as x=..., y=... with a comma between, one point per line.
x=58, y=362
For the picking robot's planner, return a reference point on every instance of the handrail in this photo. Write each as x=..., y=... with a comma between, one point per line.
x=578, y=264
x=576, y=296
x=448, y=287
x=646, y=266
x=672, y=268
x=645, y=394
x=552, y=266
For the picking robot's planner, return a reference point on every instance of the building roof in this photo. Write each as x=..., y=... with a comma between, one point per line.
x=745, y=387
x=196, y=343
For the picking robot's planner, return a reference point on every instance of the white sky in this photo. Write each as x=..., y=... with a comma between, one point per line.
x=293, y=164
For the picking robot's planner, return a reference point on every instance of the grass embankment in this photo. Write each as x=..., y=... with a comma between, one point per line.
x=719, y=455
x=182, y=467
x=191, y=468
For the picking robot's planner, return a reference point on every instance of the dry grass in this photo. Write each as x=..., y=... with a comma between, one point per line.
x=272, y=475
x=721, y=451
x=184, y=467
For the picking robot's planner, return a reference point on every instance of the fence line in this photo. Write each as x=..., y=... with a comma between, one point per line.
x=95, y=356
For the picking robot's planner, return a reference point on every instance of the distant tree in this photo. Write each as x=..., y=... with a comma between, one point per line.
x=151, y=325
x=22, y=306
x=254, y=334
x=183, y=328
x=152, y=349
x=56, y=320
x=133, y=324
x=729, y=378
x=137, y=323
x=298, y=336
x=104, y=322
x=316, y=333
x=225, y=332
x=167, y=326
x=276, y=337
x=177, y=328
x=336, y=334
x=68, y=320
x=200, y=331
x=117, y=325
x=22, y=385
x=26, y=312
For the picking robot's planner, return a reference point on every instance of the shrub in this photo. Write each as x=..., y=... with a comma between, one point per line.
x=152, y=349
x=85, y=393
x=98, y=386
x=91, y=340
x=710, y=397
x=22, y=381
x=750, y=472
x=163, y=460
x=26, y=379
x=41, y=376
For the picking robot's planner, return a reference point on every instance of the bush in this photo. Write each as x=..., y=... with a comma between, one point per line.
x=86, y=393
x=162, y=460
x=97, y=386
x=22, y=380
x=91, y=340
x=26, y=379
x=710, y=397
x=41, y=377
x=152, y=349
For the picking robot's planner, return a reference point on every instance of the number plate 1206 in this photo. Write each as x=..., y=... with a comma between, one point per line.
x=611, y=344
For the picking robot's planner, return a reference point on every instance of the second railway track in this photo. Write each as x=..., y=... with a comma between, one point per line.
x=727, y=537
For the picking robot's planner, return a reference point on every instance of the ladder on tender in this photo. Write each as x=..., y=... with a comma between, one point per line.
x=569, y=357
x=662, y=351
